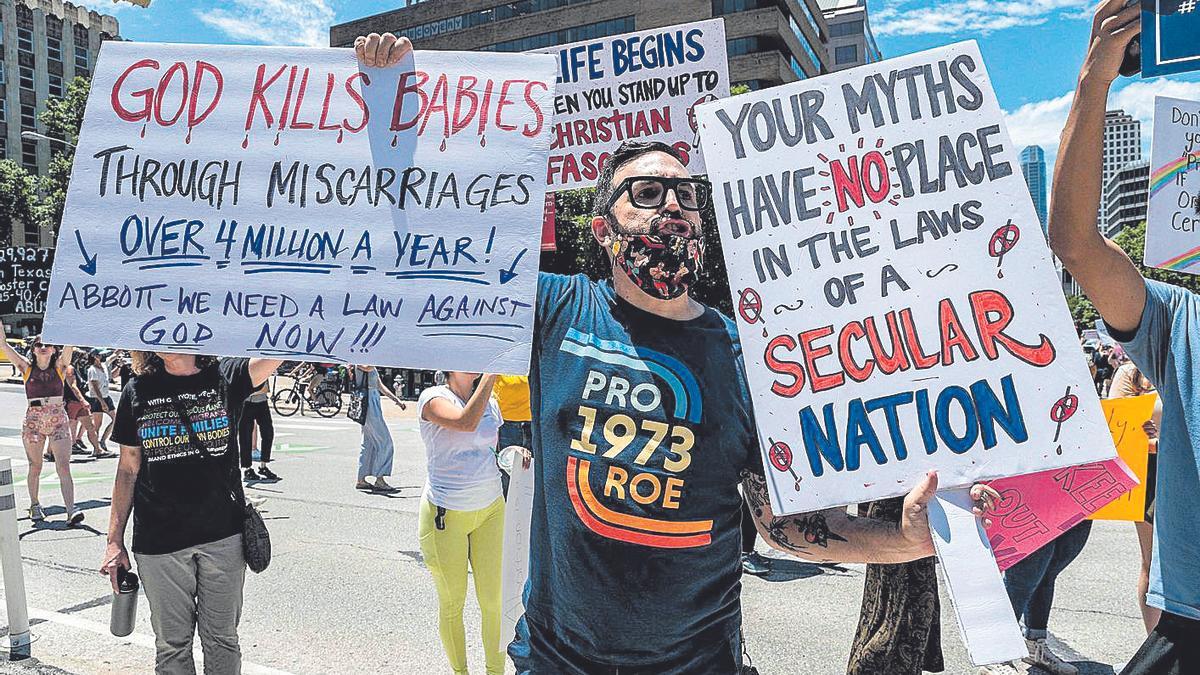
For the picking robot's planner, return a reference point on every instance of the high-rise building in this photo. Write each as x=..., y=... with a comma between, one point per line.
x=1126, y=197
x=1033, y=166
x=851, y=42
x=46, y=44
x=1122, y=145
x=770, y=41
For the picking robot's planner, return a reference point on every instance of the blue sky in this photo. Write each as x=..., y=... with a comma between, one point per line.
x=1033, y=48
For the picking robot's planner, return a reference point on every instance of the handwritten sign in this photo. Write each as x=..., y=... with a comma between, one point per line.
x=283, y=202
x=1173, y=215
x=24, y=279
x=1126, y=421
x=635, y=86
x=1037, y=508
x=892, y=285
x=1169, y=30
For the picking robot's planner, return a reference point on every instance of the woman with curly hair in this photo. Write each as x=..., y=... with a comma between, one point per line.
x=46, y=422
x=177, y=426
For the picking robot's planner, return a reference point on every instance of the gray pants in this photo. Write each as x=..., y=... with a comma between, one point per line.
x=200, y=587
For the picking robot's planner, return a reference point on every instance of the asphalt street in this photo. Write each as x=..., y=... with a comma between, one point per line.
x=347, y=591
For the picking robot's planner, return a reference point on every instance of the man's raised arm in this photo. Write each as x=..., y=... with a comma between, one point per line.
x=1102, y=269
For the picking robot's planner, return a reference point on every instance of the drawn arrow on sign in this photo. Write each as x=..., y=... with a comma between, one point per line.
x=89, y=265
x=508, y=274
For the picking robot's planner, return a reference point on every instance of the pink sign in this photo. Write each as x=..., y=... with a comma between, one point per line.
x=1038, y=507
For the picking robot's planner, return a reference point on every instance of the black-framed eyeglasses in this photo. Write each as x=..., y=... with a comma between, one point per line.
x=650, y=192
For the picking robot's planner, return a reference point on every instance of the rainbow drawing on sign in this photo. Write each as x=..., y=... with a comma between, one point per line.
x=1182, y=261
x=1161, y=177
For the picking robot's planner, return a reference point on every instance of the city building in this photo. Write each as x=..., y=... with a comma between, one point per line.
x=1122, y=146
x=1033, y=167
x=851, y=42
x=47, y=43
x=1126, y=197
x=770, y=42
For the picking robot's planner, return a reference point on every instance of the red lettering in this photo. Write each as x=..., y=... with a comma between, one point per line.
x=813, y=353
x=459, y=120
x=888, y=363
x=322, y=122
x=953, y=334
x=358, y=100
x=920, y=359
x=403, y=88
x=502, y=103
x=853, y=331
x=875, y=166
x=539, y=118
x=163, y=83
x=439, y=101
x=847, y=182
x=985, y=304
x=203, y=67
x=784, y=367
x=147, y=95
x=296, y=123
x=258, y=96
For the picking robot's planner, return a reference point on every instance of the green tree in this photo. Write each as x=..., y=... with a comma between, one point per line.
x=17, y=198
x=63, y=118
x=1082, y=310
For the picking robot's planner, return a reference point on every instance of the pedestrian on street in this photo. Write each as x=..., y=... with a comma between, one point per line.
x=375, y=457
x=461, y=521
x=79, y=411
x=644, y=574
x=1158, y=325
x=512, y=393
x=46, y=427
x=257, y=412
x=99, y=397
x=178, y=474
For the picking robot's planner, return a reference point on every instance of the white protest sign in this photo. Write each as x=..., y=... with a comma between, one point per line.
x=282, y=202
x=636, y=86
x=981, y=605
x=1173, y=215
x=896, y=300
x=518, y=511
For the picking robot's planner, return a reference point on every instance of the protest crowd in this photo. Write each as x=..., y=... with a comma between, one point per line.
x=188, y=432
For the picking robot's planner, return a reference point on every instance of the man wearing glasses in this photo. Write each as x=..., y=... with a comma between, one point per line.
x=642, y=430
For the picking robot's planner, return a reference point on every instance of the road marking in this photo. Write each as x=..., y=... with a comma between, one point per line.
x=139, y=639
x=314, y=427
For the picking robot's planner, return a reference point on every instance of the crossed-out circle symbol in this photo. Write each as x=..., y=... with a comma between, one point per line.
x=691, y=112
x=750, y=306
x=781, y=456
x=1003, y=240
x=1064, y=408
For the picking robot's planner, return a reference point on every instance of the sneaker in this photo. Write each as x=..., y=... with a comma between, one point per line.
x=267, y=474
x=382, y=486
x=1041, y=656
x=78, y=448
x=1000, y=669
x=755, y=564
x=47, y=457
x=35, y=513
x=249, y=475
x=75, y=519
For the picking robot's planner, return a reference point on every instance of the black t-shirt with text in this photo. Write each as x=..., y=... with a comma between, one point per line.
x=182, y=498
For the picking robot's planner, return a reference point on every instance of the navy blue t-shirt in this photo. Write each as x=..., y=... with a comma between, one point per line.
x=641, y=428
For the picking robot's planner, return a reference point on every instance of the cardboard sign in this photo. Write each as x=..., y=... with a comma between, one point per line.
x=24, y=279
x=1173, y=215
x=637, y=86
x=891, y=284
x=1169, y=30
x=1126, y=421
x=1037, y=508
x=282, y=202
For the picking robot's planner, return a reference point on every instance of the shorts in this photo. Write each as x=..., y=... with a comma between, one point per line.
x=46, y=421
x=97, y=408
x=1151, y=485
x=1173, y=648
x=77, y=409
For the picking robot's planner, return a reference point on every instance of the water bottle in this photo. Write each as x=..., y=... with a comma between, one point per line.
x=124, y=604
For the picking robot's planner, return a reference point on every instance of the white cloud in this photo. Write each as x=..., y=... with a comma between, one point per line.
x=906, y=17
x=1041, y=122
x=276, y=22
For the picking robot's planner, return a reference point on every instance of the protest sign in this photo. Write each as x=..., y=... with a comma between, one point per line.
x=896, y=301
x=1173, y=214
x=981, y=605
x=1127, y=418
x=518, y=510
x=282, y=202
x=1037, y=508
x=636, y=86
x=1169, y=30
x=24, y=279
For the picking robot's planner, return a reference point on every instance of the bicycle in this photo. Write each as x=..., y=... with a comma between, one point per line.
x=325, y=401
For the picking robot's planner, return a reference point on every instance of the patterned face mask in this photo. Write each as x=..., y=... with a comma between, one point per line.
x=662, y=266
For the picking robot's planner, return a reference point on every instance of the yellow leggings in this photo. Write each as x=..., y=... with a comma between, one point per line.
x=475, y=536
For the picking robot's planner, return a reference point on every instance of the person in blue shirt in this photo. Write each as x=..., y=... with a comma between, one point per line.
x=1156, y=323
x=642, y=431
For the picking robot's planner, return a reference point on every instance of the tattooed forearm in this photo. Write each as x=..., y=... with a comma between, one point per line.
x=812, y=529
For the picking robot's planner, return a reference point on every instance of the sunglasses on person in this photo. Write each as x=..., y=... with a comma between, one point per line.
x=650, y=192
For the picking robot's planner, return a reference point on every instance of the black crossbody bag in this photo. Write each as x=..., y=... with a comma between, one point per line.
x=256, y=541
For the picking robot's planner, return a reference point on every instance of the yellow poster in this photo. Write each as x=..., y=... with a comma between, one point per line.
x=1126, y=417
